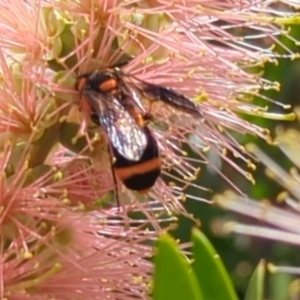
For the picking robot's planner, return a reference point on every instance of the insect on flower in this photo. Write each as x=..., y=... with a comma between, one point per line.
x=114, y=100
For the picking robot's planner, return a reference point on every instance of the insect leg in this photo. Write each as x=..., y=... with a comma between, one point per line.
x=114, y=176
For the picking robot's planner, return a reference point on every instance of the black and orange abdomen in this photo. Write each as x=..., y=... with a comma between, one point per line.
x=139, y=175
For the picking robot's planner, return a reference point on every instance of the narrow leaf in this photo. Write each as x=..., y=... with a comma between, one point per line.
x=173, y=276
x=211, y=274
x=255, y=289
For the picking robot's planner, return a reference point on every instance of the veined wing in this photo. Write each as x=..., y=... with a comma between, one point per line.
x=154, y=92
x=122, y=130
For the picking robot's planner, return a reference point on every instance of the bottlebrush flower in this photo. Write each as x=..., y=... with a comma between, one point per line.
x=284, y=222
x=277, y=223
x=61, y=236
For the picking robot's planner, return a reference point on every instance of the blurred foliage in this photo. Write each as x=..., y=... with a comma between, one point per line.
x=241, y=254
x=177, y=278
x=200, y=274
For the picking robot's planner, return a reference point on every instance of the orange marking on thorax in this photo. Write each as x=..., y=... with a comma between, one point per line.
x=108, y=85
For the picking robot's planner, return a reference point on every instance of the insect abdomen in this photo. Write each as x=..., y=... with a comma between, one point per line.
x=139, y=175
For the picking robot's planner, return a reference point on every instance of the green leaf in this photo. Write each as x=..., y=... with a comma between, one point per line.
x=279, y=283
x=255, y=289
x=212, y=277
x=173, y=276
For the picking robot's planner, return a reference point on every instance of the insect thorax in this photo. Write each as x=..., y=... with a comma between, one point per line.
x=103, y=81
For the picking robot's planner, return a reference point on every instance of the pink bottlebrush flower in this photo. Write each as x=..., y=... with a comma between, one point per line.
x=61, y=236
x=284, y=221
x=277, y=223
x=54, y=264
x=52, y=248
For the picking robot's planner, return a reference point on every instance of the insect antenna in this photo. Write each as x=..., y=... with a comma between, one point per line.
x=125, y=61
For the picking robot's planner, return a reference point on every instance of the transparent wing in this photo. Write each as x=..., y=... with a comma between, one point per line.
x=132, y=94
x=121, y=128
x=154, y=92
